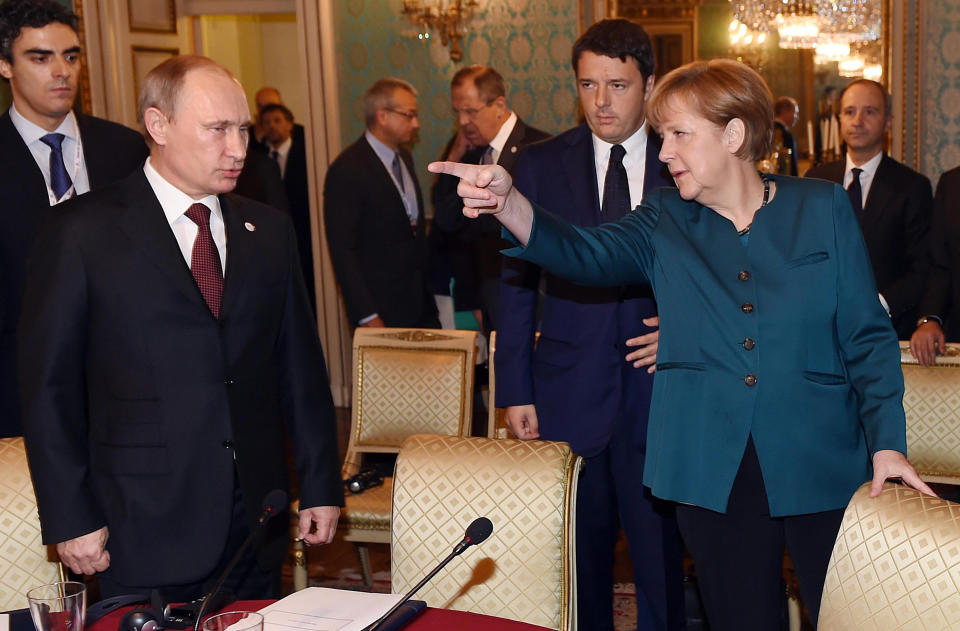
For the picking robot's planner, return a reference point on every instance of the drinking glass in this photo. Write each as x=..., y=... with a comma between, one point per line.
x=234, y=621
x=58, y=606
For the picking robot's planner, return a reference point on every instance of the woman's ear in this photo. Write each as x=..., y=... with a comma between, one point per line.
x=734, y=135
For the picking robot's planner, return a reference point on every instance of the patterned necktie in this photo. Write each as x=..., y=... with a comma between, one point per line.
x=398, y=172
x=205, y=260
x=616, y=186
x=59, y=179
x=856, y=192
x=487, y=157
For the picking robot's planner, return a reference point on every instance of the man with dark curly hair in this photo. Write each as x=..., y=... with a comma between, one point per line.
x=48, y=153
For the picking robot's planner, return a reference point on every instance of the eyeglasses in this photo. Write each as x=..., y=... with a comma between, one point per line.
x=408, y=115
x=470, y=112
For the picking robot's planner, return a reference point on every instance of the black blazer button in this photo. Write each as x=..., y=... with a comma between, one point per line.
x=750, y=380
x=744, y=275
x=746, y=307
x=228, y=381
x=749, y=344
x=228, y=444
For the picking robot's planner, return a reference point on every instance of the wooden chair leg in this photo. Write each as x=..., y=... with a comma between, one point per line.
x=363, y=553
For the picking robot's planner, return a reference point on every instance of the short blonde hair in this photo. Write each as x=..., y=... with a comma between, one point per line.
x=720, y=90
x=162, y=85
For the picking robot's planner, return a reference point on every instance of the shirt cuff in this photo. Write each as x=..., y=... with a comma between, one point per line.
x=883, y=301
x=374, y=316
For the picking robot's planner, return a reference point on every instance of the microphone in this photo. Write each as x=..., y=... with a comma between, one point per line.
x=477, y=532
x=273, y=503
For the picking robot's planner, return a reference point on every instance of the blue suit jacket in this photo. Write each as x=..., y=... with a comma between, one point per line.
x=577, y=376
x=822, y=355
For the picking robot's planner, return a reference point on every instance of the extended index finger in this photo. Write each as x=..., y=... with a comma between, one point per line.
x=456, y=169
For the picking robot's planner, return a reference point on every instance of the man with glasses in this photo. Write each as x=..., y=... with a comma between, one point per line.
x=374, y=216
x=489, y=132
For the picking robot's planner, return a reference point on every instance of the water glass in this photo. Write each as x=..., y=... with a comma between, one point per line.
x=58, y=606
x=234, y=621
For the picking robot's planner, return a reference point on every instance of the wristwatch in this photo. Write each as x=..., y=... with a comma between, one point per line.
x=929, y=318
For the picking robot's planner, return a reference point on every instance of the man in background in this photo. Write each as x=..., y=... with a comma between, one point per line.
x=786, y=111
x=289, y=152
x=489, y=132
x=166, y=350
x=576, y=384
x=892, y=201
x=373, y=210
x=48, y=154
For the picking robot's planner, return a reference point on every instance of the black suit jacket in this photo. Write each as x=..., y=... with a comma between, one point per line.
x=378, y=260
x=478, y=240
x=895, y=222
x=138, y=402
x=941, y=296
x=789, y=142
x=110, y=152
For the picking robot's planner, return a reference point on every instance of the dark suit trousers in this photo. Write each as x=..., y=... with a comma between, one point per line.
x=738, y=555
x=610, y=495
x=247, y=580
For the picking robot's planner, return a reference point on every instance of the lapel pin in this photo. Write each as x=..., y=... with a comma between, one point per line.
x=249, y=226
x=513, y=149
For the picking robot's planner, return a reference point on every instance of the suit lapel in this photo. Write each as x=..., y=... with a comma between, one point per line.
x=94, y=160
x=18, y=161
x=881, y=190
x=381, y=179
x=511, y=149
x=239, y=248
x=145, y=224
x=579, y=169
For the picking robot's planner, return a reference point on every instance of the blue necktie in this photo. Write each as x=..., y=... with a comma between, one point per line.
x=59, y=179
x=398, y=172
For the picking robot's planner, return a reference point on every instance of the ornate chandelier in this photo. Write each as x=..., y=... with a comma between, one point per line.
x=807, y=23
x=447, y=18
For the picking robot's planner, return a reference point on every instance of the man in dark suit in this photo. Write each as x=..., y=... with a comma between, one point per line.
x=374, y=216
x=489, y=132
x=285, y=143
x=892, y=201
x=40, y=57
x=154, y=387
x=940, y=305
x=786, y=111
x=575, y=384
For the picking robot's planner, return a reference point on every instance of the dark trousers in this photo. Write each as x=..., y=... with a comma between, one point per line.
x=611, y=495
x=738, y=555
x=247, y=580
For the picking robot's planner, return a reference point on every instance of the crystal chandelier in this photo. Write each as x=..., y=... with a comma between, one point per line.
x=807, y=23
x=798, y=25
x=447, y=18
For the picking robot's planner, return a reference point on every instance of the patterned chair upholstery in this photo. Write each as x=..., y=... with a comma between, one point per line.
x=931, y=401
x=405, y=381
x=525, y=571
x=895, y=565
x=24, y=561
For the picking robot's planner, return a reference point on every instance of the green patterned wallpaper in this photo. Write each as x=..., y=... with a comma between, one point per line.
x=527, y=41
x=940, y=142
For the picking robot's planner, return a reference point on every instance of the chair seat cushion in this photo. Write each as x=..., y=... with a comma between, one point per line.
x=369, y=510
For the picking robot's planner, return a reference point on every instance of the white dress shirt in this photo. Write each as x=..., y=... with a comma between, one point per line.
x=635, y=162
x=72, y=152
x=283, y=150
x=175, y=204
x=866, y=178
x=409, y=191
x=500, y=140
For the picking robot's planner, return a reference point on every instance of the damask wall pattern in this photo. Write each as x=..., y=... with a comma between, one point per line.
x=527, y=41
x=940, y=141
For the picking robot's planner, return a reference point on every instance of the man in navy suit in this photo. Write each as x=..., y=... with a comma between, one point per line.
x=40, y=58
x=575, y=383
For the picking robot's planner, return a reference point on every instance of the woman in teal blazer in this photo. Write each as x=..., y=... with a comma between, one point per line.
x=778, y=387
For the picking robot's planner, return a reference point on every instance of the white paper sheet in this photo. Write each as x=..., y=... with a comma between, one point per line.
x=5, y=622
x=323, y=609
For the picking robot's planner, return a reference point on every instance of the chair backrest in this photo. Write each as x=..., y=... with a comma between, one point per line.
x=526, y=570
x=895, y=564
x=408, y=381
x=496, y=421
x=931, y=400
x=24, y=560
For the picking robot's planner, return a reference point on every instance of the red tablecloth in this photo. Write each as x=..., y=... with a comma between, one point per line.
x=429, y=620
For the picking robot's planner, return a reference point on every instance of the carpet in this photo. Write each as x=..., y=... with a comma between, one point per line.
x=624, y=607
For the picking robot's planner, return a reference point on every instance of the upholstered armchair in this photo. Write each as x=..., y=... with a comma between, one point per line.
x=405, y=381
x=526, y=570
x=24, y=561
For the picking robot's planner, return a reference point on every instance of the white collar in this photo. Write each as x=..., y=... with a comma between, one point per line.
x=500, y=140
x=283, y=148
x=635, y=145
x=31, y=132
x=174, y=201
x=869, y=167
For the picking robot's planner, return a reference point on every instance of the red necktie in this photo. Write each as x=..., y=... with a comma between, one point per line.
x=205, y=260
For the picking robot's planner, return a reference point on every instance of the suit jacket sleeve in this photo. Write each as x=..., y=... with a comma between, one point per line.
x=519, y=281
x=51, y=358
x=307, y=403
x=868, y=343
x=904, y=292
x=936, y=293
x=343, y=215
